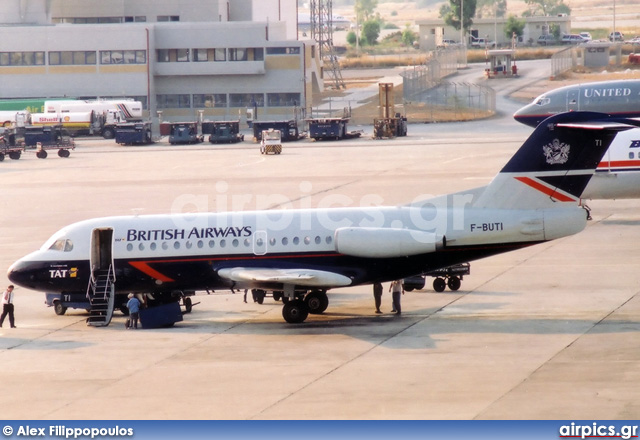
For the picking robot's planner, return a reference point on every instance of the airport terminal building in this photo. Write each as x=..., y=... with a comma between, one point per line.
x=217, y=58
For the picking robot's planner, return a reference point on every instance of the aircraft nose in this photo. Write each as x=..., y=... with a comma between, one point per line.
x=21, y=274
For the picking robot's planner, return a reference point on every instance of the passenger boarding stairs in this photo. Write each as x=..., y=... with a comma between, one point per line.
x=101, y=295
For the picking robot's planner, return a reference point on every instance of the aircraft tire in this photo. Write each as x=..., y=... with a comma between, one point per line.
x=42, y=154
x=277, y=296
x=454, y=283
x=59, y=308
x=63, y=153
x=439, y=284
x=15, y=155
x=316, y=301
x=295, y=312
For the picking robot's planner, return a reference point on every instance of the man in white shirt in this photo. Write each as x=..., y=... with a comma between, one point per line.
x=7, y=306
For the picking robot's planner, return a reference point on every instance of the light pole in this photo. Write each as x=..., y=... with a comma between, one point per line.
x=614, y=20
x=464, y=43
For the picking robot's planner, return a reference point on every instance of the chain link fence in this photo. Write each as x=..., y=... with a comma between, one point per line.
x=563, y=61
x=430, y=99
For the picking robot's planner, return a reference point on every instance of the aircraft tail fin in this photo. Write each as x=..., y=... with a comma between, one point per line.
x=555, y=164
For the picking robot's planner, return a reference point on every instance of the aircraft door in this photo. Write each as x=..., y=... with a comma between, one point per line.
x=101, y=251
x=573, y=100
x=260, y=243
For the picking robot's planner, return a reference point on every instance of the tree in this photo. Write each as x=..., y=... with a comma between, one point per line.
x=514, y=26
x=370, y=32
x=451, y=13
x=408, y=36
x=491, y=8
x=547, y=7
x=351, y=38
x=364, y=8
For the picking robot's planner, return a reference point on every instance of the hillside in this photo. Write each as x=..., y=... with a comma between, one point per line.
x=587, y=14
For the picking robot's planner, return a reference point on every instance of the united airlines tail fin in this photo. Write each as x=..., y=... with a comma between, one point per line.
x=555, y=164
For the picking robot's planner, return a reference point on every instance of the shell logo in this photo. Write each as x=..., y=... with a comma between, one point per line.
x=67, y=119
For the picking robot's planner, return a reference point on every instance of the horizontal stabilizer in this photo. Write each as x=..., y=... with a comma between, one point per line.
x=555, y=163
x=300, y=277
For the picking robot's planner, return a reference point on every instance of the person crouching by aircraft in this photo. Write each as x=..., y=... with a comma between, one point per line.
x=134, y=309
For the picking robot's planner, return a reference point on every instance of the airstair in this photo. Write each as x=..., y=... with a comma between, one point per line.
x=101, y=295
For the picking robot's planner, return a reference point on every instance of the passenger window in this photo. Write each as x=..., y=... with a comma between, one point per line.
x=165, y=246
x=212, y=243
x=247, y=242
x=307, y=240
x=176, y=245
x=141, y=246
x=152, y=246
x=129, y=247
x=318, y=239
x=223, y=243
x=296, y=240
x=235, y=242
x=631, y=155
x=285, y=241
x=329, y=239
x=272, y=241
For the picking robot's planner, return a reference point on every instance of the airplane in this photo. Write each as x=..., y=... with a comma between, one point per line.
x=616, y=98
x=618, y=174
x=302, y=254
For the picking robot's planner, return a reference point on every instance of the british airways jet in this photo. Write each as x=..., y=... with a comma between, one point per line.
x=618, y=174
x=302, y=254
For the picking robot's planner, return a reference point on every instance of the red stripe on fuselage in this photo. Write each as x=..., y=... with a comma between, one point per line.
x=143, y=266
x=619, y=163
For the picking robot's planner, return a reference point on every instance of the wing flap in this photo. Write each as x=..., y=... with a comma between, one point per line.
x=298, y=277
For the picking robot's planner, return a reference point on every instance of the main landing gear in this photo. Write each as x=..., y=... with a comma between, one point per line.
x=296, y=310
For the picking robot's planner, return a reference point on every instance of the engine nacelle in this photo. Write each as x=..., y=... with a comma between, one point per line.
x=385, y=242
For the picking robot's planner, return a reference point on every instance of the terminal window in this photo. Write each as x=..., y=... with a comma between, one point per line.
x=215, y=100
x=21, y=58
x=123, y=57
x=70, y=58
x=173, y=101
x=283, y=99
x=172, y=55
x=246, y=100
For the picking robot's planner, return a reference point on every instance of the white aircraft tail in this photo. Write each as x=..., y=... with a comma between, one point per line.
x=555, y=164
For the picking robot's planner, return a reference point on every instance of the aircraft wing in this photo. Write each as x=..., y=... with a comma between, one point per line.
x=298, y=277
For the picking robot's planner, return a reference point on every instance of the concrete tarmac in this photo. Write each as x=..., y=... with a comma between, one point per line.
x=548, y=332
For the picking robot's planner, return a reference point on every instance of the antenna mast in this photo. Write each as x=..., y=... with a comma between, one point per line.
x=321, y=14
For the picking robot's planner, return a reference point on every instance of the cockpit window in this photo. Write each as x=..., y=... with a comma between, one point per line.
x=64, y=245
x=543, y=101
